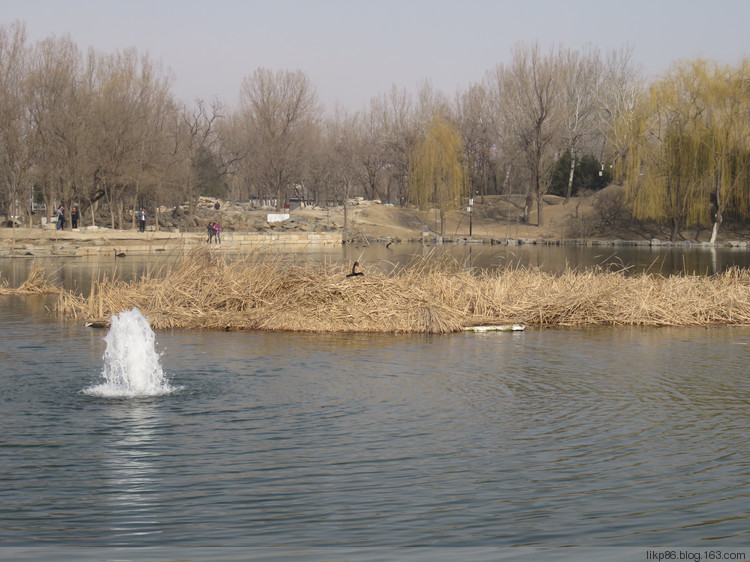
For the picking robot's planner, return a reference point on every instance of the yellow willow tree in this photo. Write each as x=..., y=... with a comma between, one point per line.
x=726, y=133
x=689, y=154
x=437, y=171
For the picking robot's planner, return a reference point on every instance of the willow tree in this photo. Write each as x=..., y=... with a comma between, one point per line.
x=690, y=151
x=725, y=132
x=661, y=164
x=437, y=172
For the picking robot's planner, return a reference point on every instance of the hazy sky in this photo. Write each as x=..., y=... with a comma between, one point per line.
x=353, y=50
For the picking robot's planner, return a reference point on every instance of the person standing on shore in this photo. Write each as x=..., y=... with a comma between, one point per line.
x=61, y=217
x=142, y=219
x=74, y=218
x=211, y=232
x=217, y=232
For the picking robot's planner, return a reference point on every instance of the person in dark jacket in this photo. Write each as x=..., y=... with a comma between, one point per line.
x=142, y=219
x=61, y=217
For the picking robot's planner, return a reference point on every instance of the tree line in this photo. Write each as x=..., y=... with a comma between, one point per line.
x=103, y=130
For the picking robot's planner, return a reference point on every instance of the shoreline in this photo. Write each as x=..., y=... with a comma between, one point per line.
x=88, y=242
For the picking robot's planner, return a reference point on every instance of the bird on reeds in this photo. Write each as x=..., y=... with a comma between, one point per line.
x=355, y=270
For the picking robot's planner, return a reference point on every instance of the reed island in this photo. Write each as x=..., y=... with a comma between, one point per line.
x=206, y=291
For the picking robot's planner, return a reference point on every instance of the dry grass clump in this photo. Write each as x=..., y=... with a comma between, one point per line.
x=36, y=283
x=615, y=298
x=432, y=296
x=205, y=292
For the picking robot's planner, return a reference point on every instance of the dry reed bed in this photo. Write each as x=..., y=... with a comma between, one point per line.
x=36, y=283
x=431, y=296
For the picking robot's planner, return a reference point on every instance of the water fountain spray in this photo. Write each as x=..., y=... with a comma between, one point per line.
x=132, y=366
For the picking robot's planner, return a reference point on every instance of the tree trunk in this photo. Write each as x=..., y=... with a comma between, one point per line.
x=133, y=214
x=111, y=205
x=47, y=205
x=539, y=208
x=505, y=187
x=527, y=204
x=569, y=190
x=120, y=205
x=718, y=218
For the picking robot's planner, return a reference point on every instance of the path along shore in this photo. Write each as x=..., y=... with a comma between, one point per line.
x=91, y=241
x=95, y=241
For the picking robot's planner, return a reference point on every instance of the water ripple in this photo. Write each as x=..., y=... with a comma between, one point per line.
x=560, y=437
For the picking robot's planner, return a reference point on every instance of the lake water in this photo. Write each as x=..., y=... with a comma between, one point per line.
x=464, y=446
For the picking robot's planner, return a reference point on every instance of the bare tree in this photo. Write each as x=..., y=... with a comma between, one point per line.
x=200, y=126
x=581, y=75
x=342, y=141
x=429, y=103
x=58, y=97
x=527, y=94
x=618, y=97
x=372, y=153
x=397, y=121
x=476, y=123
x=15, y=127
x=131, y=92
x=279, y=110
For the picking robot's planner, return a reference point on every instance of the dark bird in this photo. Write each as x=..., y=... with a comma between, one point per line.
x=120, y=255
x=355, y=270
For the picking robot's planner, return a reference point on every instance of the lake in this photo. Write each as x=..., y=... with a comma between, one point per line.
x=560, y=442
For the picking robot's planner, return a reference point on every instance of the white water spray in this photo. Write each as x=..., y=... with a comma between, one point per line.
x=131, y=363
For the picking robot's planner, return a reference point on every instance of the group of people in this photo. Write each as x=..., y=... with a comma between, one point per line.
x=61, y=217
x=74, y=215
x=214, y=229
x=214, y=232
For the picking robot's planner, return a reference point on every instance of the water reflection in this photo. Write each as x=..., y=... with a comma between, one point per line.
x=132, y=442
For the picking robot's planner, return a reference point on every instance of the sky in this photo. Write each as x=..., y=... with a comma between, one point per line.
x=354, y=50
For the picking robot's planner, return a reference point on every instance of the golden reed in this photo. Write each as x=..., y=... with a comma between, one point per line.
x=202, y=291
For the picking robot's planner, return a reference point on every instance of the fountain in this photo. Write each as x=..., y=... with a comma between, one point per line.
x=131, y=363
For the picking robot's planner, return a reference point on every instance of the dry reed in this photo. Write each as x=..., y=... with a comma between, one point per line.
x=431, y=296
x=36, y=283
